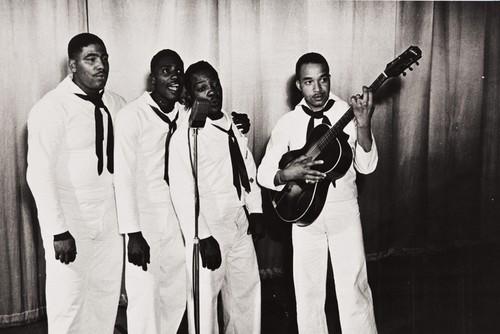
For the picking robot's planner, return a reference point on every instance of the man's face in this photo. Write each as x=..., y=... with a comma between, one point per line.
x=168, y=78
x=90, y=68
x=206, y=85
x=314, y=83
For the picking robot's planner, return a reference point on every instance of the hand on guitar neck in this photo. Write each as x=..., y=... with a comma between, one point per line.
x=363, y=110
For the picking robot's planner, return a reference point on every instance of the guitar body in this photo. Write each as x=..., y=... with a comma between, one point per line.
x=301, y=202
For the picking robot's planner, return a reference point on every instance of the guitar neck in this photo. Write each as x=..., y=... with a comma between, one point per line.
x=334, y=131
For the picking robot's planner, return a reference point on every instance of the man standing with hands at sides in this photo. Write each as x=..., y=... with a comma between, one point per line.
x=155, y=274
x=338, y=227
x=70, y=167
x=230, y=209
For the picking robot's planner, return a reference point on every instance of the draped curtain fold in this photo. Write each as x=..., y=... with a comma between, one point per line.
x=437, y=183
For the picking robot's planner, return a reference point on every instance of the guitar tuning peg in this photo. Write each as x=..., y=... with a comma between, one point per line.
x=404, y=74
x=417, y=63
x=411, y=69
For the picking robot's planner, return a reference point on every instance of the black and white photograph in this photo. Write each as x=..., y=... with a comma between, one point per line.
x=249, y=166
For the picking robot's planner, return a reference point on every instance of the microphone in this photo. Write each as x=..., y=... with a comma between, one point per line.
x=199, y=113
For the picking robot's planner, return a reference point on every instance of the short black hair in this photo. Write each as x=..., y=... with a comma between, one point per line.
x=195, y=68
x=78, y=42
x=310, y=58
x=164, y=53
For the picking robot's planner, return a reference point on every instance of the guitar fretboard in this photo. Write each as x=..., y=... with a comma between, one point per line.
x=336, y=129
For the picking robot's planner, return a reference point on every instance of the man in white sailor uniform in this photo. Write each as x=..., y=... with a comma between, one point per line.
x=338, y=227
x=230, y=209
x=155, y=273
x=70, y=167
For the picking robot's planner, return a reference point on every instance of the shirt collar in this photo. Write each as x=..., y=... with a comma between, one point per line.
x=224, y=122
x=69, y=85
x=149, y=100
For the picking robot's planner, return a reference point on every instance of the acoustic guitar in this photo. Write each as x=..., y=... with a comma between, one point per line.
x=300, y=202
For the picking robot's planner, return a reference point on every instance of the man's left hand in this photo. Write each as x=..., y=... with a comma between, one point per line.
x=363, y=108
x=363, y=111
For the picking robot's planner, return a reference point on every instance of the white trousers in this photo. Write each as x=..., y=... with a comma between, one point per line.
x=157, y=297
x=338, y=229
x=82, y=297
x=237, y=279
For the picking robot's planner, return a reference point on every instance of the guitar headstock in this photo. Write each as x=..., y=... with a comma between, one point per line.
x=403, y=62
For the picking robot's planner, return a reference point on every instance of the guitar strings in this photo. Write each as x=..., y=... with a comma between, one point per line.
x=331, y=134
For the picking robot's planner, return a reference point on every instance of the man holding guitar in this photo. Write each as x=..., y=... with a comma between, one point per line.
x=315, y=172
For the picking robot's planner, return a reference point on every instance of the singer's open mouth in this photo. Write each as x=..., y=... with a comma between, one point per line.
x=174, y=87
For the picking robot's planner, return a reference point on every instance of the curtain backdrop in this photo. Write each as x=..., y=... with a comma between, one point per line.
x=437, y=184
x=34, y=36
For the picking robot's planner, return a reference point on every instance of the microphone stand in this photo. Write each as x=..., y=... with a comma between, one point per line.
x=197, y=120
x=196, y=240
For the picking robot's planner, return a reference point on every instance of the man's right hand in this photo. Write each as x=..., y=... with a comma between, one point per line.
x=210, y=253
x=300, y=170
x=138, y=250
x=242, y=121
x=65, y=247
